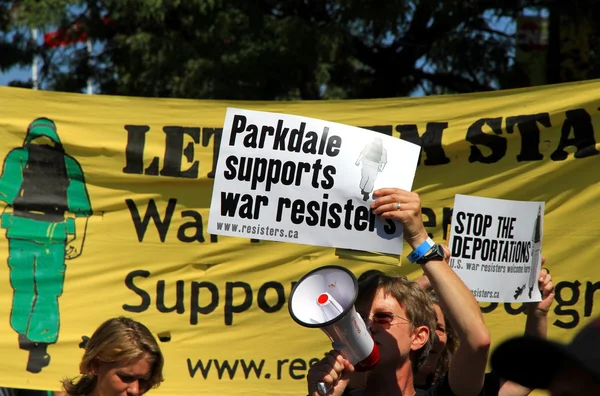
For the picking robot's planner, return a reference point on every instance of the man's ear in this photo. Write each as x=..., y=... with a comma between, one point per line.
x=419, y=338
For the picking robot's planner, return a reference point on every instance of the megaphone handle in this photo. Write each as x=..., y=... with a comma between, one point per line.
x=323, y=388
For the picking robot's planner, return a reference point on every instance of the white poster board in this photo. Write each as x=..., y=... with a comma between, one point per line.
x=495, y=247
x=302, y=180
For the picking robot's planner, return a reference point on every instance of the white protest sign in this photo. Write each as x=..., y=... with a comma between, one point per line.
x=302, y=180
x=495, y=247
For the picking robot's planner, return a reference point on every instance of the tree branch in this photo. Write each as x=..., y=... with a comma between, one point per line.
x=495, y=32
x=456, y=83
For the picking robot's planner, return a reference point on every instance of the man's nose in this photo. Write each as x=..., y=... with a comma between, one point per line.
x=134, y=388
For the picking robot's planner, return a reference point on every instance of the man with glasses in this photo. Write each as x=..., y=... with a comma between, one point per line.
x=402, y=320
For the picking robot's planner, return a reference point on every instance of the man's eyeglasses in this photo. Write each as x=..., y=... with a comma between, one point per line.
x=386, y=318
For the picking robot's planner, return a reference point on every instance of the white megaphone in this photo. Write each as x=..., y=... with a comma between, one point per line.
x=324, y=298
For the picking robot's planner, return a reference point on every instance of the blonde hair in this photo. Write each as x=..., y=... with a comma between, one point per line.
x=419, y=308
x=118, y=339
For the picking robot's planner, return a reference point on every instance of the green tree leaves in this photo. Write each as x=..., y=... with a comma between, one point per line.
x=268, y=49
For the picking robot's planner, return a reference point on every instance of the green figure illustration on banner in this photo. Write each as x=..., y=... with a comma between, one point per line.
x=45, y=217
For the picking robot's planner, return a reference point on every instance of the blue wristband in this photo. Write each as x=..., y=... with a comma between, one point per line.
x=420, y=250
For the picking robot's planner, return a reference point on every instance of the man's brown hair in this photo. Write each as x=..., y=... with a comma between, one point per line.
x=418, y=306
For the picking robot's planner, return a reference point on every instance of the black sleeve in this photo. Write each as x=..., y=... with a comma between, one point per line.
x=441, y=388
x=491, y=384
x=346, y=392
x=30, y=392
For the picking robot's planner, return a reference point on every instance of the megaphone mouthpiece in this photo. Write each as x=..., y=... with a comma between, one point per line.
x=324, y=298
x=331, y=308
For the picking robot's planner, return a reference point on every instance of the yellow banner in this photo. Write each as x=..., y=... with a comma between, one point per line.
x=135, y=219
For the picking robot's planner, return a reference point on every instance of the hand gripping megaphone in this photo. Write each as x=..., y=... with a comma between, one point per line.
x=324, y=298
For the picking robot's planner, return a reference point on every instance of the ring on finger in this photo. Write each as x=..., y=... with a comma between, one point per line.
x=398, y=205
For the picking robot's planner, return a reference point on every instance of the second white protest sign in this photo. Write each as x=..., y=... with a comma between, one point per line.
x=495, y=247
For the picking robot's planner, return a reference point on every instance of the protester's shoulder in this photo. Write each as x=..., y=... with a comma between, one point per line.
x=441, y=388
x=435, y=391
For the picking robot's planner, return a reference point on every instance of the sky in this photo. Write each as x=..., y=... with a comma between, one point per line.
x=24, y=73
x=14, y=74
